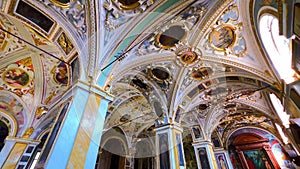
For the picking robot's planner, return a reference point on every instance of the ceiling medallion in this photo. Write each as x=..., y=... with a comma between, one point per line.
x=187, y=56
x=61, y=74
x=129, y=4
x=18, y=77
x=159, y=74
x=222, y=37
x=171, y=36
x=201, y=73
x=140, y=84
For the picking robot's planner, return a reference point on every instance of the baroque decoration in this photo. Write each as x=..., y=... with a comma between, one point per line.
x=154, y=83
x=119, y=12
x=172, y=33
x=226, y=36
x=18, y=77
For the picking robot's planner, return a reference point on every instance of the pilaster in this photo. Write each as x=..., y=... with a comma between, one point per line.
x=169, y=147
x=77, y=131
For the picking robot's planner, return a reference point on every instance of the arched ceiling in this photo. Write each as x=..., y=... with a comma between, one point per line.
x=185, y=61
x=31, y=78
x=196, y=62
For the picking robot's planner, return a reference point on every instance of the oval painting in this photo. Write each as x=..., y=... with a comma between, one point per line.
x=160, y=74
x=61, y=75
x=222, y=38
x=129, y=4
x=201, y=73
x=188, y=57
x=171, y=36
x=16, y=77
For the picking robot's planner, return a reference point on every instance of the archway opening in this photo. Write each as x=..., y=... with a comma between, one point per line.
x=3, y=134
x=255, y=148
x=144, y=156
x=108, y=158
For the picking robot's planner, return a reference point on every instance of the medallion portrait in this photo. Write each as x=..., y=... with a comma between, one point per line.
x=222, y=38
x=16, y=78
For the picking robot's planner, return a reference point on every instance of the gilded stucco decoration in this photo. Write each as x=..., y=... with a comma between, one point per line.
x=8, y=43
x=12, y=106
x=169, y=35
x=65, y=43
x=18, y=78
x=57, y=79
x=119, y=12
x=73, y=10
x=226, y=37
x=188, y=56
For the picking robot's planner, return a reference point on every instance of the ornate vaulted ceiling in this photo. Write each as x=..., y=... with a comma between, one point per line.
x=189, y=62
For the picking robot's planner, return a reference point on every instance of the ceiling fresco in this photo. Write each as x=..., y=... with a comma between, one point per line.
x=216, y=79
x=194, y=63
x=31, y=79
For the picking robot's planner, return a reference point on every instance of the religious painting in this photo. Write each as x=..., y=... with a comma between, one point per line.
x=203, y=72
x=222, y=38
x=164, y=158
x=221, y=161
x=65, y=43
x=188, y=57
x=61, y=74
x=171, y=36
x=297, y=19
x=257, y=159
x=203, y=158
x=16, y=77
x=34, y=16
x=215, y=140
x=196, y=130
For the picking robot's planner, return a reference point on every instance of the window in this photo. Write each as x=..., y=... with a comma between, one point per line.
x=279, y=110
x=36, y=157
x=278, y=47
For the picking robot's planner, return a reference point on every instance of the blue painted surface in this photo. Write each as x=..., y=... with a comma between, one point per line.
x=62, y=148
x=96, y=137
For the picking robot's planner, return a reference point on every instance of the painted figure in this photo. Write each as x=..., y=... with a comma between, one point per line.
x=203, y=159
x=17, y=78
x=222, y=162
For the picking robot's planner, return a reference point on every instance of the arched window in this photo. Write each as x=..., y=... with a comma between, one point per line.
x=284, y=117
x=278, y=47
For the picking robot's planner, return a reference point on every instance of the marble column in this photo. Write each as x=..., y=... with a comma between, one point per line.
x=169, y=147
x=77, y=132
x=205, y=155
x=14, y=149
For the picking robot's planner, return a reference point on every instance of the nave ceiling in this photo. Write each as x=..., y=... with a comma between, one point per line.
x=188, y=62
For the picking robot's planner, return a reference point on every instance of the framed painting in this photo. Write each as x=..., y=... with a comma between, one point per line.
x=257, y=159
x=34, y=17
x=196, y=132
x=221, y=161
x=203, y=158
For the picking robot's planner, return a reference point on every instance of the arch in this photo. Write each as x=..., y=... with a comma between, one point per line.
x=113, y=146
x=257, y=143
x=144, y=154
x=3, y=133
x=10, y=122
x=109, y=158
